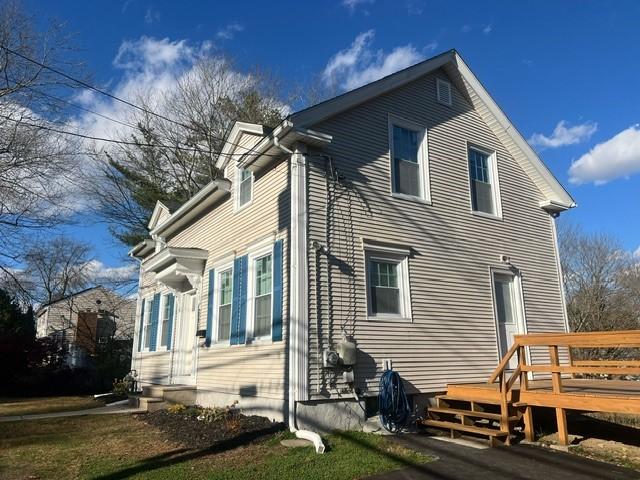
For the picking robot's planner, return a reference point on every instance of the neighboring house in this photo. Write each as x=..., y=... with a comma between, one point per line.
x=408, y=215
x=85, y=319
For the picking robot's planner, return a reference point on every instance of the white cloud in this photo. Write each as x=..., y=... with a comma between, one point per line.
x=98, y=273
x=564, y=135
x=352, y=5
x=228, y=32
x=359, y=64
x=151, y=16
x=636, y=254
x=487, y=29
x=615, y=158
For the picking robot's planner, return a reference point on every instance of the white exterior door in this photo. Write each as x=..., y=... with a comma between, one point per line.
x=509, y=312
x=184, y=354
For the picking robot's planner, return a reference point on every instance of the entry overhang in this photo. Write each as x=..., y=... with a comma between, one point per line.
x=178, y=268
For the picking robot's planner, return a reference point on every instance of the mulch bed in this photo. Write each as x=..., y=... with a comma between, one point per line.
x=214, y=436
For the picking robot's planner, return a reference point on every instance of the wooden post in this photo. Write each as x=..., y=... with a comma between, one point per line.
x=556, y=380
x=504, y=409
x=529, y=433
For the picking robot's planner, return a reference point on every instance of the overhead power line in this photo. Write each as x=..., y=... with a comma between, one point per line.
x=126, y=102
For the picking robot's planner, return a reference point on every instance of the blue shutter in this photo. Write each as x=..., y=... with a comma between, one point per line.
x=239, y=308
x=276, y=330
x=140, y=332
x=155, y=311
x=171, y=299
x=210, y=308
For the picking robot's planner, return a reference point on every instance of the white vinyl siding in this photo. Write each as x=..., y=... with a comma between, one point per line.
x=452, y=335
x=409, y=162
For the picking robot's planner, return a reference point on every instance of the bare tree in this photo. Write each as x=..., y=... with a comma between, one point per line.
x=175, y=151
x=602, y=283
x=56, y=268
x=36, y=164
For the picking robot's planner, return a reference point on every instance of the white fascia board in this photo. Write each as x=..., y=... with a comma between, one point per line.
x=328, y=108
x=143, y=247
x=157, y=210
x=562, y=196
x=234, y=137
x=193, y=206
x=178, y=254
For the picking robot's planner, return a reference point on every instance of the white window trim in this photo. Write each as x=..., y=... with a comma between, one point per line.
x=402, y=259
x=219, y=269
x=495, y=182
x=440, y=82
x=520, y=305
x=423, y=159
x=163, y=305
x=251, y=281
x=236, y=191
x=146, y=320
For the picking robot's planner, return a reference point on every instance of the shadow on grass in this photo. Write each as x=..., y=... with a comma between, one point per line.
x=184, y=455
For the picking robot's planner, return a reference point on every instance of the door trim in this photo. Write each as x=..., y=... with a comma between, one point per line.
x=521, y=321
x=183, y=308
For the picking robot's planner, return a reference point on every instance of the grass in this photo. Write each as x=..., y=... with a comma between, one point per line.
x=28, y=406
x=119, y=446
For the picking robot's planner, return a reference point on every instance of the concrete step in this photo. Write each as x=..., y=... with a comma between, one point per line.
x=147, y=404
x=185, y=394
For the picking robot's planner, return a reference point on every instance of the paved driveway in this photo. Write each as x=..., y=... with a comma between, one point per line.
x=513, y=463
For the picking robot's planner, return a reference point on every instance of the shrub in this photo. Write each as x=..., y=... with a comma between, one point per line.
x=217, y=414
x=176, y=408
x=123, y=387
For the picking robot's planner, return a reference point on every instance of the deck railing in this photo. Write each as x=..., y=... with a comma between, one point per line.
x=507, y=377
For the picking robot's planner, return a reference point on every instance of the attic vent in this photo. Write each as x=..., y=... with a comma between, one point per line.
x=444, y=92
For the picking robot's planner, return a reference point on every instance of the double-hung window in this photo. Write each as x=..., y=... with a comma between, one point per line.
x=483, y=179
x=263, y=292
x=164, y=339
x=409, y=162
x=225, y=280
x=146, y=329
x=388, y=286
x=244, y=190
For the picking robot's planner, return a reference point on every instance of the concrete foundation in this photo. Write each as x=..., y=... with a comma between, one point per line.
x=272, y=408
x=324, y=416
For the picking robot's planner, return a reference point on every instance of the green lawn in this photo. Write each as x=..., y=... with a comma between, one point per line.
x=120, y=446
x=28, y=406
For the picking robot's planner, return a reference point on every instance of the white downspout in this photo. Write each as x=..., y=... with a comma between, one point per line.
x=298, y=293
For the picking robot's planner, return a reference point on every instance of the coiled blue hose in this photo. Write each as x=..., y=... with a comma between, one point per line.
x=392, y=402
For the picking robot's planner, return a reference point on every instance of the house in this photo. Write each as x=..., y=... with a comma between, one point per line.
x=407, y=218
x=85, y=319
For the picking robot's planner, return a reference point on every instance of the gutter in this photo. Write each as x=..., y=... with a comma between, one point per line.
x=298, y=294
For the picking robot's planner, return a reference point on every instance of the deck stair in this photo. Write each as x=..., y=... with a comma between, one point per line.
x=494, y=408
x=479, y=415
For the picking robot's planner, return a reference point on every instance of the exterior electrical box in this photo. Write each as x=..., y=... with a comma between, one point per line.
x=348, y=352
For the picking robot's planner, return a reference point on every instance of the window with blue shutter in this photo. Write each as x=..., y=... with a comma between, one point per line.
x=155, y=313
x=210, y=308
x=276, y=331
x=140, y=332
x=239, y=310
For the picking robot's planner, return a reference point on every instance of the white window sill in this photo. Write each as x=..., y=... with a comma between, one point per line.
x=147, y=353
x=380, y=318
x=239, y=209
x=411, y=198
x=486, y=215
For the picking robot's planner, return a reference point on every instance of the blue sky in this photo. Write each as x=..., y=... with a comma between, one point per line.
x=567, y=71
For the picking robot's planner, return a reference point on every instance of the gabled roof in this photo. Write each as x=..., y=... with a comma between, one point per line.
x=557, y=197
x=159, y=211
x=67, y=297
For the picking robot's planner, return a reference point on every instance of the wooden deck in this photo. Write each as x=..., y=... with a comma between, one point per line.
x=614, y=386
